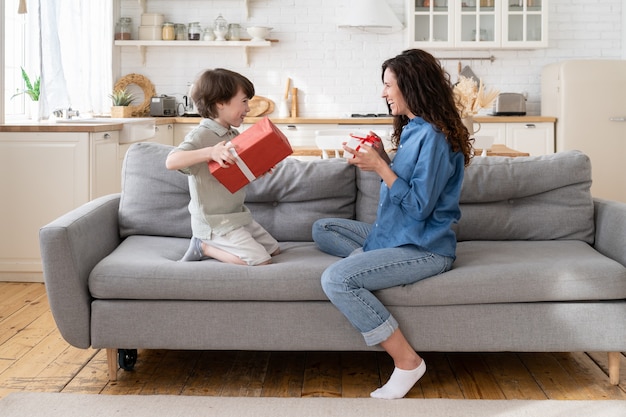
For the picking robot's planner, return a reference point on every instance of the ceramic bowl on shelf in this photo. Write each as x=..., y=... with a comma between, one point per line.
x=259, y=33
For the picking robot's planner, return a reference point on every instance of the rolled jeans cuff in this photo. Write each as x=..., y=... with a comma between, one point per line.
x=381, y=333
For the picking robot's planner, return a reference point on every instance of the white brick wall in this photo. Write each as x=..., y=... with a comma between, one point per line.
x=337, y=71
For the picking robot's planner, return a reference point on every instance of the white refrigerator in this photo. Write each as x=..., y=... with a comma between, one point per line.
x=588, y=98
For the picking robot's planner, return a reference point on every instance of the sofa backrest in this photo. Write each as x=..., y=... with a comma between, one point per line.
x=288, y=201
x=154, y=200
x=527, y=198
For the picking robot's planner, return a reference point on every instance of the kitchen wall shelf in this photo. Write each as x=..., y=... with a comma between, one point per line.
x=245, y=45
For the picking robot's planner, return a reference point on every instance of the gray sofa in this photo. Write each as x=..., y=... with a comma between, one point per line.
x=540, y=265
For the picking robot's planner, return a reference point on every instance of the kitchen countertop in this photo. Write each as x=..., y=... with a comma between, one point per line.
x=28, y=126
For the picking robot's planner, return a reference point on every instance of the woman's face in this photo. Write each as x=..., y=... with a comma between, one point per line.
x=394, y=96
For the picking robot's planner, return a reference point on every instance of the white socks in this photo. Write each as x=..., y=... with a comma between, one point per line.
x=400, y=383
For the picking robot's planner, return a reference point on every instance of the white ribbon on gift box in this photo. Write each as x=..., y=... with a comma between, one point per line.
x=242, y=165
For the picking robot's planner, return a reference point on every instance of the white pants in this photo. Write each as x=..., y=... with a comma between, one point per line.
x=251, y=243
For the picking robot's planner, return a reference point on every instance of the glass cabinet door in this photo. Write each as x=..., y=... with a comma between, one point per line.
x=431, y=22
x=479, y=23
x=525, y=21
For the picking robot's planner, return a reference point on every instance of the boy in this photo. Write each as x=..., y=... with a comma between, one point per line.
x=222, y=225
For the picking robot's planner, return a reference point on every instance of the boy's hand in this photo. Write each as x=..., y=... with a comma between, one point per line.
x=221, y=154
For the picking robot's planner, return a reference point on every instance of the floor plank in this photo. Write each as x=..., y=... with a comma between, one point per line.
x=360, y=374
x=474, y=377
x=555, y=381
x=439, y=380
x=208, y=376
x=512, y=377
x=322, y=375
x=285, y=375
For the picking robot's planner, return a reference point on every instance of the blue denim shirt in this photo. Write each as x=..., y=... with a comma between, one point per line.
x=423, y=202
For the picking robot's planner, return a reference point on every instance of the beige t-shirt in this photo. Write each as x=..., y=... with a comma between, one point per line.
x=213, y=208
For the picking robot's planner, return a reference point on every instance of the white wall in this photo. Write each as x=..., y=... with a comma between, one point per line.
x=336, y=71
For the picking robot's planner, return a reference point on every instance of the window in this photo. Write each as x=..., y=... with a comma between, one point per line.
x=77, y=55
x=19, y=51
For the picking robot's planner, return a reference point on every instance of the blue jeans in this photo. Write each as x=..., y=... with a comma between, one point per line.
x=350, y=282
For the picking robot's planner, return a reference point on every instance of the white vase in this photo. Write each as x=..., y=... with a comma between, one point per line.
x=34, y=111
x=469, y=123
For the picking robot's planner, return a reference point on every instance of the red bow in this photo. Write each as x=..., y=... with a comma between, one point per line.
x=371, y=139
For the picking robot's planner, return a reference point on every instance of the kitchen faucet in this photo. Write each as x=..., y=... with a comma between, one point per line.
x=65, y=113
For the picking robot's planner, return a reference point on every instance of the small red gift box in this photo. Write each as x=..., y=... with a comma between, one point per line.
x=257, y=150
x=357, y=143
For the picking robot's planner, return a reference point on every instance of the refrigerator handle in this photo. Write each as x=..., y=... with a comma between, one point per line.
x=617, y=119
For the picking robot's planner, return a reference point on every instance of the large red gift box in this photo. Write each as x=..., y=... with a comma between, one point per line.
x=257, y=150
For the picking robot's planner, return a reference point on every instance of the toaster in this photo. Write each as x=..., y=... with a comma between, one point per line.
x=163, y=106
x=509, y=104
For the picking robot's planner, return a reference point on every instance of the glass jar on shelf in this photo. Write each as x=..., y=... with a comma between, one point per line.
x=194, y=31
x=234, y=30
x=220, y=28
x=168, y=33
x=123, y=29
x=181, y=31
x=208, y=34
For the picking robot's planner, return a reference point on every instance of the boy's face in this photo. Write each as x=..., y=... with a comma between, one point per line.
x=233, y=112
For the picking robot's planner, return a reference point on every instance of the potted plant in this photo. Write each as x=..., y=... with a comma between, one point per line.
x=122, y=99
x=32, y=90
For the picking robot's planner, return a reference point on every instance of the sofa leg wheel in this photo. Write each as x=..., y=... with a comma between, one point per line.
x=127, y=358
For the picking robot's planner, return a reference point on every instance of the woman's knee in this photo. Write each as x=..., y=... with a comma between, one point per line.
x=332, y=283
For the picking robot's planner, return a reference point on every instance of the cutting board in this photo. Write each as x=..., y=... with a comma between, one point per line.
x=260, y=106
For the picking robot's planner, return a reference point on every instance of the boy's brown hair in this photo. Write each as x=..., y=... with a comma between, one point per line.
x=218, y=86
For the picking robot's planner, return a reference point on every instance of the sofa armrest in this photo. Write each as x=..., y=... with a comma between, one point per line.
x=70, y=247
x=610, y=221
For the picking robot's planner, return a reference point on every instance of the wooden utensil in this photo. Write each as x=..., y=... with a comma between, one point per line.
x=260, y=106
x=294, y=102
x=287, y=88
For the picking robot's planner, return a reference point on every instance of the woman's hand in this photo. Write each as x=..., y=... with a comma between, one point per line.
x=221, y=154
x=380, y=147
x=369, y=158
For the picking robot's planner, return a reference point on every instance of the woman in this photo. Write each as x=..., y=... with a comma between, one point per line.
x=411, y=238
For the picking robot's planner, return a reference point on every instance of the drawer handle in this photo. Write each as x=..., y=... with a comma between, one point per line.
x=617, y=119
x=530, y=126
x=291, y=127
x=107, y=136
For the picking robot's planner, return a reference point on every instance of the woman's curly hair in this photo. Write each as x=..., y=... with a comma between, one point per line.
x=427, y=90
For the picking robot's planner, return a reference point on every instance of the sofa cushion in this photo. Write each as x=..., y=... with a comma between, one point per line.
x=154, y=199
x=536, y=198
x=146, y=268
x=368, y=186
x=488, y=272
x=297, y=193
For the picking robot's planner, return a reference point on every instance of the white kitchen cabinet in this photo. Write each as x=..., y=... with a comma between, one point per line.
x=181, y=130
x=477, y=24
x=536, y=138
x=42, y=176
x=164, y=134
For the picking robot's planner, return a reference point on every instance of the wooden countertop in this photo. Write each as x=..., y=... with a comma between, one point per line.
x=45, y=126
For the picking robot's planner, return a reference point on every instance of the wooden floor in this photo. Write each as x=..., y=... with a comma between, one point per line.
x=34, y=357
